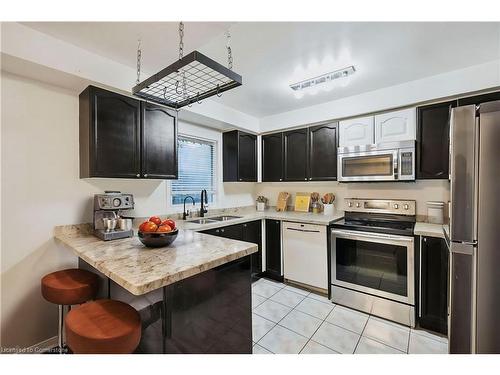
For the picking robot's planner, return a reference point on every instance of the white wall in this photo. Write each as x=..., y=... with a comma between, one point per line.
x=22, y=43
x=41, y=189
x=421, y=191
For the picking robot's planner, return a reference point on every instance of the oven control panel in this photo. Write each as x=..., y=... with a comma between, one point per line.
x=389, y=206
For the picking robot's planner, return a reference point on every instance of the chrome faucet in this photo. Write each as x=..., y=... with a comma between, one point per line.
x=184, y=213
x=204, y=198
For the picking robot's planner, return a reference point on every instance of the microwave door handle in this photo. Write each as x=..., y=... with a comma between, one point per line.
x=396, y=160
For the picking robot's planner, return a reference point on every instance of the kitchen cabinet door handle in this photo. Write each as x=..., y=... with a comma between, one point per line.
x=420, y=279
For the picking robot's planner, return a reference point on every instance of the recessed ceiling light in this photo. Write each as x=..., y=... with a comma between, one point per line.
x=324, y=78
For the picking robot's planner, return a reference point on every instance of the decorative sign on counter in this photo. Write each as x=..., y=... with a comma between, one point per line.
x=302, y=202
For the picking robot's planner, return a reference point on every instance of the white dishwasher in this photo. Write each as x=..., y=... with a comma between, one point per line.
x=305, y=254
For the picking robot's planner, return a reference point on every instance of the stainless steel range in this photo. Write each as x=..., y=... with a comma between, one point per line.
x=372, y=258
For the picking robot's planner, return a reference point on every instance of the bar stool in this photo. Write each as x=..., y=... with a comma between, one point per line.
x=68, y=287
x=103, y=326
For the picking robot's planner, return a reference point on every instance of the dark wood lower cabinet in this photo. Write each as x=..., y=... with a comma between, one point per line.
x=252, y=232
x=434, y=285
x=248, y=232
x=207, y=313
x=273, y=249
x=211, y=312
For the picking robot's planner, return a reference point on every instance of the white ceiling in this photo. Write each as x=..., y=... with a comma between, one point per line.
x=271, y=56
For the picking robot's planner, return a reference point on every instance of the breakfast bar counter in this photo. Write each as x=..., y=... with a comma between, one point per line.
x=193, y=296
x=139, y=269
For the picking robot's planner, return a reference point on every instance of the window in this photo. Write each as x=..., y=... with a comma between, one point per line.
x=196, y=170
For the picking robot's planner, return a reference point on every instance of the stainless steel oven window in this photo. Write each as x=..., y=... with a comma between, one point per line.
x=378, y=264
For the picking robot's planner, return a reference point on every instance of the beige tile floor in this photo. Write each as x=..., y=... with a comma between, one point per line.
x=288, y=320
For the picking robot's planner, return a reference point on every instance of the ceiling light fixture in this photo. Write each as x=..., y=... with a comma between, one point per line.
x=189, y=79
x=324, y=78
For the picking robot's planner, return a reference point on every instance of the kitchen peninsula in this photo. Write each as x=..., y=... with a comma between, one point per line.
x=193, y=297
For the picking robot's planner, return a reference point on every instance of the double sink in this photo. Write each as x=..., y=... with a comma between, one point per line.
x=214, y=219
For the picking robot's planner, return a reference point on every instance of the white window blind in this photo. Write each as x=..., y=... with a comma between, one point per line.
x=196, y=170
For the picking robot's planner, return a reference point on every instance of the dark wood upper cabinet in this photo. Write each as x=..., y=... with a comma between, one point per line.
x=296, y=155
x=433, y=304
x=121, y=137
x=239, y=156
x=323, y=152
x=433, y=140
x=478, y=99
x=110, y=126
x=272, y=157
x=159, y=142
x=247, y=160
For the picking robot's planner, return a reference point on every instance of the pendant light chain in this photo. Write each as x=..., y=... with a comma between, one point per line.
x=181, y=55
x=229, y=52
x=139, y=55
x=181, y=40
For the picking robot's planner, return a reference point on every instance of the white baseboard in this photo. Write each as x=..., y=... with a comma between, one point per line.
x=41, y=347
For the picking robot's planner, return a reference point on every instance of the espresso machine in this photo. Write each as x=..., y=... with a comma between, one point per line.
x=110, y=219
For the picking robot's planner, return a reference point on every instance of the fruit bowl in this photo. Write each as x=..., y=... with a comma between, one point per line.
x=158, y=239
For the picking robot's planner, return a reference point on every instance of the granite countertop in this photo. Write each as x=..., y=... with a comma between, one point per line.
x=250, y=215
x=139, y=269
x=428, y=229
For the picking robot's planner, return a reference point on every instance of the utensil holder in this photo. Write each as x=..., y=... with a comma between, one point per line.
x=328, y=209
x=261, y=206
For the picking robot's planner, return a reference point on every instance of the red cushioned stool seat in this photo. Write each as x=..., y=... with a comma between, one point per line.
x=69, y=287
x=103, y=326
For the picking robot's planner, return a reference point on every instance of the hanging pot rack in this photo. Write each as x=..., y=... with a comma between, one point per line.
x=190, y=79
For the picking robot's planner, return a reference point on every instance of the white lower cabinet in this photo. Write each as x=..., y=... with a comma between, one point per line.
x=396, y=126
x=305, y=254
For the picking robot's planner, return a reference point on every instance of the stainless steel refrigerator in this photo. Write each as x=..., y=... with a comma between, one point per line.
x=474, y=236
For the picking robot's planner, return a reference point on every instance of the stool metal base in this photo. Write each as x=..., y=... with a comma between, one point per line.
x=61, y=342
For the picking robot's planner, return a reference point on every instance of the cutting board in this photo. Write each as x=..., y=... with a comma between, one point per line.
x=282, y=203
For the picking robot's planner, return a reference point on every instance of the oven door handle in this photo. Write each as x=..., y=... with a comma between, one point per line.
x=364, y=235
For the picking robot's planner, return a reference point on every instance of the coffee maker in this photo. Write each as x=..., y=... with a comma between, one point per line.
x=110, y=220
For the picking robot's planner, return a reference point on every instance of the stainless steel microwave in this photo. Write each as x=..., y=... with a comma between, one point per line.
x=391, y=161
